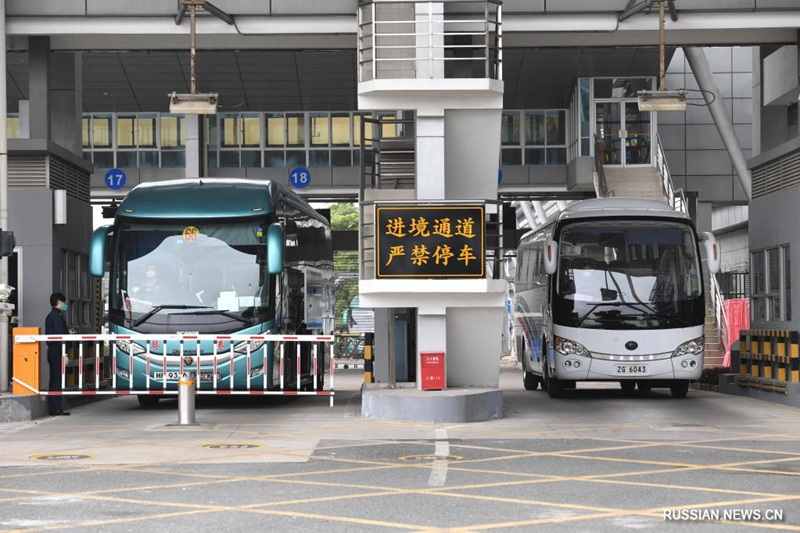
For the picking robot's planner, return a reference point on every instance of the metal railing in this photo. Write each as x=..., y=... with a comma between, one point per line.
x=720, y=318
x=675, y=198
x=418, y=39
x=734, y=285
x=160, y=370
x=388, y=154
x=599, y=177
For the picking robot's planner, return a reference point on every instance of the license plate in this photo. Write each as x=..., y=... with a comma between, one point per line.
x=174, y=376
x=631, y=370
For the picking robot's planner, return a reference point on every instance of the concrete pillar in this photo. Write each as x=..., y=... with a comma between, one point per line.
x=24, y=119
x=39, y=86
x=66, y=101
x=195, y=147
x=432, y=337
x=430, y=158
x=56, y=88
x=703, y=217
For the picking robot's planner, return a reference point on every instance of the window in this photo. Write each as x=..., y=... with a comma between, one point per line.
x=173, y=132
x=12, y=127
x=295, y=129
x=787, y=284
x=759, y=286
x=340, y=129
x=771, y=284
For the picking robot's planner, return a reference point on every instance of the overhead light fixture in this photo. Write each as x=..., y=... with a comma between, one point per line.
x=193, y=104
x=662, y=101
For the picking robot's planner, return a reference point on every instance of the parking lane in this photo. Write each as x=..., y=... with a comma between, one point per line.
x=595, y=461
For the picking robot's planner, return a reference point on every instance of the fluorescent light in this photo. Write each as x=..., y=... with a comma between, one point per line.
x=193, y=104
x=662, y=101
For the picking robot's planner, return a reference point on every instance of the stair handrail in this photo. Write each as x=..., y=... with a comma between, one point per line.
x=675, y=198
x=599, y=175
x=720, y=318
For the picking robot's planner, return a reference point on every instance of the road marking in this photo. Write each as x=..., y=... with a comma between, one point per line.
x=438, y=475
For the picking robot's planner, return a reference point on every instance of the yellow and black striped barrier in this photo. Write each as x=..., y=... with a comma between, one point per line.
x=768, y=354
x=369, y=366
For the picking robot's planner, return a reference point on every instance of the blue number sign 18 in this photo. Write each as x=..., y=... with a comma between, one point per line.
x=299, y=177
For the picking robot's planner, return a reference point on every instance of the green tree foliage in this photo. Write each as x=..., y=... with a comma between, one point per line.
x=344, y=217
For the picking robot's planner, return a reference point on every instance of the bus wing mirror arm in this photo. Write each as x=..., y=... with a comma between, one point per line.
x=275, y=248
x=97, y=251
x=712, y=251
x=550, y=256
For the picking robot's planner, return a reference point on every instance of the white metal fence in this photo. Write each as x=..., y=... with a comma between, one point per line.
x=107, y=350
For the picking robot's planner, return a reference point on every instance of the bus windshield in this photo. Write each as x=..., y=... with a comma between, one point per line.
x=628, y=274
x=206, y=277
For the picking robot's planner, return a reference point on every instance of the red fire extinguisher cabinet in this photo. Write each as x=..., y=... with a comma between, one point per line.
x=432, y=371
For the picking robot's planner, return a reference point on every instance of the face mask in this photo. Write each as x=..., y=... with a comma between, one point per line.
x=151, y=274
x=63, y=306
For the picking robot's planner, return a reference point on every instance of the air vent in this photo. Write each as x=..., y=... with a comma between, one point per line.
x=777, y=175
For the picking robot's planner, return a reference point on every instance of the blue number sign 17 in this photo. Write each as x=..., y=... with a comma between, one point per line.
x=115, y=178
x=299, y=177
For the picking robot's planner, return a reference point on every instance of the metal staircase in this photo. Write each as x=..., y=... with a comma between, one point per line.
x=388, y=156
x=655, y=182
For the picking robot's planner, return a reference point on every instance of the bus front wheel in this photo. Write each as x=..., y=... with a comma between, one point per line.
x=679, y=389
x=555, y=388
x=530, y=380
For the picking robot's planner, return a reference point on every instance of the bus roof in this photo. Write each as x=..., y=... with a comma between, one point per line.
x=207, y=198
x=612, y=207
x=620, y=207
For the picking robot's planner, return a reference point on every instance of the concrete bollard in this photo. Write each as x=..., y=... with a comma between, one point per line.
x=186, y=394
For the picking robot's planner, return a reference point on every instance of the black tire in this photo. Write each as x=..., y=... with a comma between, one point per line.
x=679, y=389
x=148, y=401
x=531, y=381
x=628, y=386
x=555, y=388
x=643, y=386
x=290, y=366
x=543, y=379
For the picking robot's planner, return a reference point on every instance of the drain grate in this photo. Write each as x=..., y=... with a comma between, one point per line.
x=232, y=445
x=61, y=457
x=427, y=458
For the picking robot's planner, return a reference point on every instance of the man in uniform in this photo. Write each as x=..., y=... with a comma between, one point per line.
x=55, y=324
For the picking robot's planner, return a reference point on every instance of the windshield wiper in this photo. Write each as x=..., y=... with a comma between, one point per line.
x=220, y=312
x=595, y=306
x=621, y=303
x=158, y=308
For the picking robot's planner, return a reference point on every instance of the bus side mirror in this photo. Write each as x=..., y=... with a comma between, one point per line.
x=712, y=251
x=97, y=251
x=550, y=256
x=274, y=248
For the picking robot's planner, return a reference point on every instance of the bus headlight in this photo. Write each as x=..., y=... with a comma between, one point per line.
x=242, y=346
x=129, y=347
x=692, y=347
x=568, y=347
